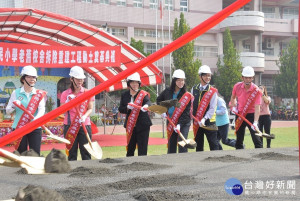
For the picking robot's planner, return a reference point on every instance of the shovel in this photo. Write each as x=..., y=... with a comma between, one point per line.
x=257, y=131
x=32, y=165
x=212, y=127
x=92, y=147
x=190, y=143
x=48, y=132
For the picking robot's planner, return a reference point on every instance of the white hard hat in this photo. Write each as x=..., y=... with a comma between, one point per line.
x=134, y=77
x=29, y=70
x=77, y=72
x=248, y=71
x=204, y=69
x=179, y=74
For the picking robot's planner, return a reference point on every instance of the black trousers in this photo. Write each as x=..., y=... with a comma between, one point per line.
x=80, y=140
x=140, y=139
x=211, y=137
x=240, y=134
x=174, y=139
x=264, y=123
x=32, y=139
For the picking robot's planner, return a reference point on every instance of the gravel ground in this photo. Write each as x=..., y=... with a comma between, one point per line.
x=264, y=174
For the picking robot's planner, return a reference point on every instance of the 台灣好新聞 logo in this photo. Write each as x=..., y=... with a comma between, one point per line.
x=233, y=186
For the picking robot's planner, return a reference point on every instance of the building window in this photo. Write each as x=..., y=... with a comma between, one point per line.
x=269, y=12
x=205, y=51
x=139, y=32
x=117, y=31
x=290, y=13
x=153, y=4
x=184, y=5
x=169, y=3
x=121, y=3
x=151, y=33
x=138, y=3
x=88, y=1
x=104, y=2
x=151, y=47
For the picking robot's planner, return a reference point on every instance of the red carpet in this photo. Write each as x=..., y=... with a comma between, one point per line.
x=103, y=140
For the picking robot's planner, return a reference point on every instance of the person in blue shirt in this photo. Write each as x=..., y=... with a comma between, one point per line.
x=222, y=121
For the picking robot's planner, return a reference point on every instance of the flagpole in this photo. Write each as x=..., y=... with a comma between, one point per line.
x=170, y=57
x=162, y=36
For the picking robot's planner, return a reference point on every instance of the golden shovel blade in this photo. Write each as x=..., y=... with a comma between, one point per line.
x=190, y=144
x=94, y=149
x=33, y=165
x=182, y=143
x=157, y=109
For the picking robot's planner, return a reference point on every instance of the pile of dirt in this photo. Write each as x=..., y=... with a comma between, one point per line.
x=56, y=162
x=91, y=172
x=276, y=156
x=141, y=166
x=225, y=159
x=37, y=193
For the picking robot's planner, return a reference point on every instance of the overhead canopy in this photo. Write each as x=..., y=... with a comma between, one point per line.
x=32, y=26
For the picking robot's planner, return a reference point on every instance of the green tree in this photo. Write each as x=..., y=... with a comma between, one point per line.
x=139, y=45
x=183, y=58
x=229, y=67
x=286, y=82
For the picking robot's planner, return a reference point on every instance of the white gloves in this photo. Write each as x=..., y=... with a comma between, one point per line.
x=70, y=97
x=145, y=108
x=255, y=126
x=234, y=109
x=82, y=119
x=177, y=128
x=129, y=107
x=202, y=122
x=163, y=115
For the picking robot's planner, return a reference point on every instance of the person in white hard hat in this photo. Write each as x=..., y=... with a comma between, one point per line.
x=246, y=100
x=137, y=122
x=179, y=115
x=204, y=109
x=34, y=101
x=72, y=128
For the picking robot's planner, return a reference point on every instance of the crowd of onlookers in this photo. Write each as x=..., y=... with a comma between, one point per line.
x=110, y=115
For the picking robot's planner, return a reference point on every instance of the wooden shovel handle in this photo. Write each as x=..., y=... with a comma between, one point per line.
x=247, y=121
x=84, y=128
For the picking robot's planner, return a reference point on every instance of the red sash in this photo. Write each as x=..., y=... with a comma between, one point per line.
x=202, y=107
x=249, y=104
x=184, y=101
x=132, y=118
x=75, y=126
x=32, y=106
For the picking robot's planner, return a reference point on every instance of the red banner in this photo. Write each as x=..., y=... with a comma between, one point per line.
x=14, y=54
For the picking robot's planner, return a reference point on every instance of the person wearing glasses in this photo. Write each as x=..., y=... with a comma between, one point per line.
x=33, y=100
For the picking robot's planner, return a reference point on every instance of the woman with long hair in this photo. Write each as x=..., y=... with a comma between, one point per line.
x=264, y=121
x=73, y=130
x=179, y=115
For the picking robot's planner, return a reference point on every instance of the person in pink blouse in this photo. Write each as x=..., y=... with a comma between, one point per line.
x=264, y=121
x=72, y=127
